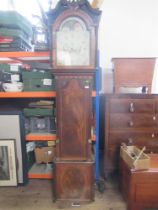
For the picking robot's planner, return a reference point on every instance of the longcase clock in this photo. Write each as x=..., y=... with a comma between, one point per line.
x=73, y=29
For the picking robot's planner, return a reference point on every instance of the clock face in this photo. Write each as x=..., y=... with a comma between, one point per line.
x=73, y=43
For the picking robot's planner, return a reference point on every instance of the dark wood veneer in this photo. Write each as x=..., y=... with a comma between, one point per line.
x=140, y=188
x=74, y=181
x=74, y=103
x=133, y=72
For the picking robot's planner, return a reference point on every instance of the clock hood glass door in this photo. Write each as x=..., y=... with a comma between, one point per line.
x=73, y=43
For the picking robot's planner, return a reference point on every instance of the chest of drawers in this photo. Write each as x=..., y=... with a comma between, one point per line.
x=132, y=119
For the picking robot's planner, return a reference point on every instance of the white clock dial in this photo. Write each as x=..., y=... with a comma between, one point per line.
x=73, y=43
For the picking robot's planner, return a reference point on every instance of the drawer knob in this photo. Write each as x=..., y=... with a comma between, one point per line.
x=153, y=135
x=131, y=123
x=130, y=141
x=131, y=107
x=154, y=117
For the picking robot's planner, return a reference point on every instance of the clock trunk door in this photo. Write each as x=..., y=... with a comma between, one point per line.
x=74, y=117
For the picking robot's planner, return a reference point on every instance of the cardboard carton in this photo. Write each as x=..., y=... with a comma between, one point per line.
x=44, y=154
x=135, y=158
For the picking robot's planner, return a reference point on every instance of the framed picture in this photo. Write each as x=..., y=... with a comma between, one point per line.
x=13, y=120
x=8, y=175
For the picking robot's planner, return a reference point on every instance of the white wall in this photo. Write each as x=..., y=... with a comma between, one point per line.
x=128, y=28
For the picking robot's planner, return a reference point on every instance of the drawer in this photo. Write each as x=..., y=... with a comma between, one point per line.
x=133, y=121
x=132, y=106
x=148, y=139
x=146, y=192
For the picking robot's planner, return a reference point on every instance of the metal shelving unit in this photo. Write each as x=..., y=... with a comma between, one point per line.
x=37, y=170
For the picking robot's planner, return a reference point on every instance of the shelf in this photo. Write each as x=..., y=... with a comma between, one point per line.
x=93, y=93
x=22, y=56
x=48, y=94
x=94, y=138
x=40, y=137
x=41, y=171
x=45, y=137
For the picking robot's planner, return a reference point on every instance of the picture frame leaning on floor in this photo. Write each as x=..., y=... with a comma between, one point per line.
x=8, y=170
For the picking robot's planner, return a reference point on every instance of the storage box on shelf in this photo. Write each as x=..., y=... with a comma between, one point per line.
x=44, y=154
x=38, y=80
x=39, y=120
x=15, y=32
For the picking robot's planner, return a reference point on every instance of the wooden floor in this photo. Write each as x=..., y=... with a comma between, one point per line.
x=38, y=195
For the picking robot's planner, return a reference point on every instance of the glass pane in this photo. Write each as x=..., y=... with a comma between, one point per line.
x=4, y=163
x=73, y=43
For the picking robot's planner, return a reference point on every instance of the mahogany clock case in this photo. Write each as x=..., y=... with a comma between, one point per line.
x=74, y=181
x=73, y=29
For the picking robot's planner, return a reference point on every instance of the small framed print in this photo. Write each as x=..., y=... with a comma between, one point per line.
x=14, y=120
x=8, y=174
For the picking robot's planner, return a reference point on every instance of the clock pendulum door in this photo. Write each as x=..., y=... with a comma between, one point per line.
x=74, y=105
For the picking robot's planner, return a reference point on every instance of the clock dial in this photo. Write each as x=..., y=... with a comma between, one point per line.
x=73, y=43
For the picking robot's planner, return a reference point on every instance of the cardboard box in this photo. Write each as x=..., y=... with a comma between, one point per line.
x=44, y=154
x=130, y=153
